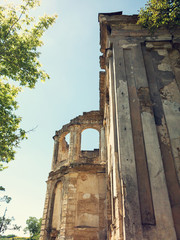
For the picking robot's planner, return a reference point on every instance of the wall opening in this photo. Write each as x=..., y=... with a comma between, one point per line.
x=57, y=208
x=89, y=140
x=64, y=147
x=67, y=139
x=65, y=142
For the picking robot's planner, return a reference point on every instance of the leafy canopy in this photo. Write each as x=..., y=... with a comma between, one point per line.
x=10, y=133
x=20, y=39
x=160, y=13
x=33, y=227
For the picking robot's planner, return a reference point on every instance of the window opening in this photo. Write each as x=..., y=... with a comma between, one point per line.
x=64, y=147
x=65, y=142
x=89, y=140
x=67, y=138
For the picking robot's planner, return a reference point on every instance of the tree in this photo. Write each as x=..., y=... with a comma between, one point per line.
x=10, y=133
x=6, y=223
x=33, y=227
x=20, y=38
x=160, y=13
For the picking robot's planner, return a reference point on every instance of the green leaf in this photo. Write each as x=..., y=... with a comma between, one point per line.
x=160, y=13
x=20, y=37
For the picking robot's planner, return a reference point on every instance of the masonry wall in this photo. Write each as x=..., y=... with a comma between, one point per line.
x=75, y=205
x=141, y=104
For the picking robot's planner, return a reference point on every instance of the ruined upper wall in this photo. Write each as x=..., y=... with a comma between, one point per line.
x=66, y=154
x=124, y=27
x=91, y=119
x=112, y=24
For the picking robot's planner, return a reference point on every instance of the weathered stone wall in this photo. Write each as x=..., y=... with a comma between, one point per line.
x=141, y=104
x=129, y=188
x=75, y=205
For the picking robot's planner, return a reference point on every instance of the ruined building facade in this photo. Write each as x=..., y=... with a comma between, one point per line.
x=129, y=188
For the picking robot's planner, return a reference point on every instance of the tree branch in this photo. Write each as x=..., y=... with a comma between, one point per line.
x=16, y=20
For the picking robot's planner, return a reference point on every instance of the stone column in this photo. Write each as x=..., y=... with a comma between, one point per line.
x=146, y=201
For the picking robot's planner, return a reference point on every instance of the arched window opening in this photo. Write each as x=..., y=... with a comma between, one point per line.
x=89, y=140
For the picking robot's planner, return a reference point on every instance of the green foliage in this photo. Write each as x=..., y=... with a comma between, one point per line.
x=13, y=237
x=10, y=133
x=20, y=38
x=160, y=13
x=33, y=227
x=19, y=238
x=8, y=236
x=6, y=223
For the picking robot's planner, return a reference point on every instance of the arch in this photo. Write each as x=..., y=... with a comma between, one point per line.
x=89, y=139
x=56, y=209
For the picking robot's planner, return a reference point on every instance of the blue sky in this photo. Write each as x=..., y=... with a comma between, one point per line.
x=70, y=56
